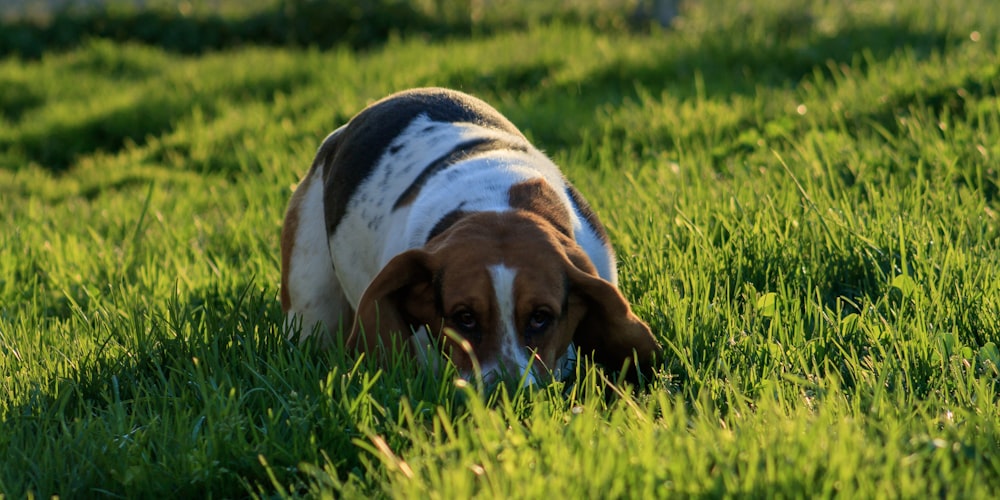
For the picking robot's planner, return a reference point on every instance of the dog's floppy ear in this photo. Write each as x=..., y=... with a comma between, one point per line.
x=608, y=329
x=400, y=296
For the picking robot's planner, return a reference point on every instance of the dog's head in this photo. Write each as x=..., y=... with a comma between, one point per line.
x=513, y=286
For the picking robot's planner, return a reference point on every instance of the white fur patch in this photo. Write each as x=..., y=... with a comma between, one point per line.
x=313, y=288
x=372, y=232
x=512, y=354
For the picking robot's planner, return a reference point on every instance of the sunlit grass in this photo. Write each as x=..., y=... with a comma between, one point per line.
x=804, y=203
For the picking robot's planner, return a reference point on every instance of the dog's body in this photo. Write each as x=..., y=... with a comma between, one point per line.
x=430, y=209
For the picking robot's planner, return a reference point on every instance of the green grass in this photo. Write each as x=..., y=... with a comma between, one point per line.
x=805, y=204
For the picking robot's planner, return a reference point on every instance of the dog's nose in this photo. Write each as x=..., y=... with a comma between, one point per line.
x=514, y=377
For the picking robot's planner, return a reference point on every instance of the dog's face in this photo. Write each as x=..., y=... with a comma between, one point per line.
x=506, y=291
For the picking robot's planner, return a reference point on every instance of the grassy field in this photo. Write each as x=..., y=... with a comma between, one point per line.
x=804, y=198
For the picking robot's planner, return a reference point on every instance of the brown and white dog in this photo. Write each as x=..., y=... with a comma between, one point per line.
x=430, y=211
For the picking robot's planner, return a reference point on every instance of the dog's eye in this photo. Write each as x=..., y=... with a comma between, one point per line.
x=539, y=321
x=464, y=321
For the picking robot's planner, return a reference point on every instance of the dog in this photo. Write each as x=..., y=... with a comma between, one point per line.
x=429, y=222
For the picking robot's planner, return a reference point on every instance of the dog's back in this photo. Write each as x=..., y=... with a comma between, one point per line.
x=429, y=177
x=401, y=170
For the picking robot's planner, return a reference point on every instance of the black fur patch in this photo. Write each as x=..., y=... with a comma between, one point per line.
x=446, y=222
x=536, y=196
x=349, y=157
x=583, y=208
x=461, y=152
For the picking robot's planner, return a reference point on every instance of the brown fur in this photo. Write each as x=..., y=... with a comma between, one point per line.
x=288, y=230
x=536, y=196
x=426, y=286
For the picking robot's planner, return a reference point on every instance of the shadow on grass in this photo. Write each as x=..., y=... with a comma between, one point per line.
x=293, y=23
x=193, y=396
x=557, y=115
x=726, y=65
x=561, y=116
x=110, y=130
x=153, y=109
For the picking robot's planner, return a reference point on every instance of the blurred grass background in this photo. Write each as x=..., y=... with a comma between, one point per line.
x=192, y=27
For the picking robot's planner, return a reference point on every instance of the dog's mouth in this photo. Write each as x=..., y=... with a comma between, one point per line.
x=487, y=375
x=534, y=376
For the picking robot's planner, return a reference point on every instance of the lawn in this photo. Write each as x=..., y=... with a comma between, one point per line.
x=804, y=198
